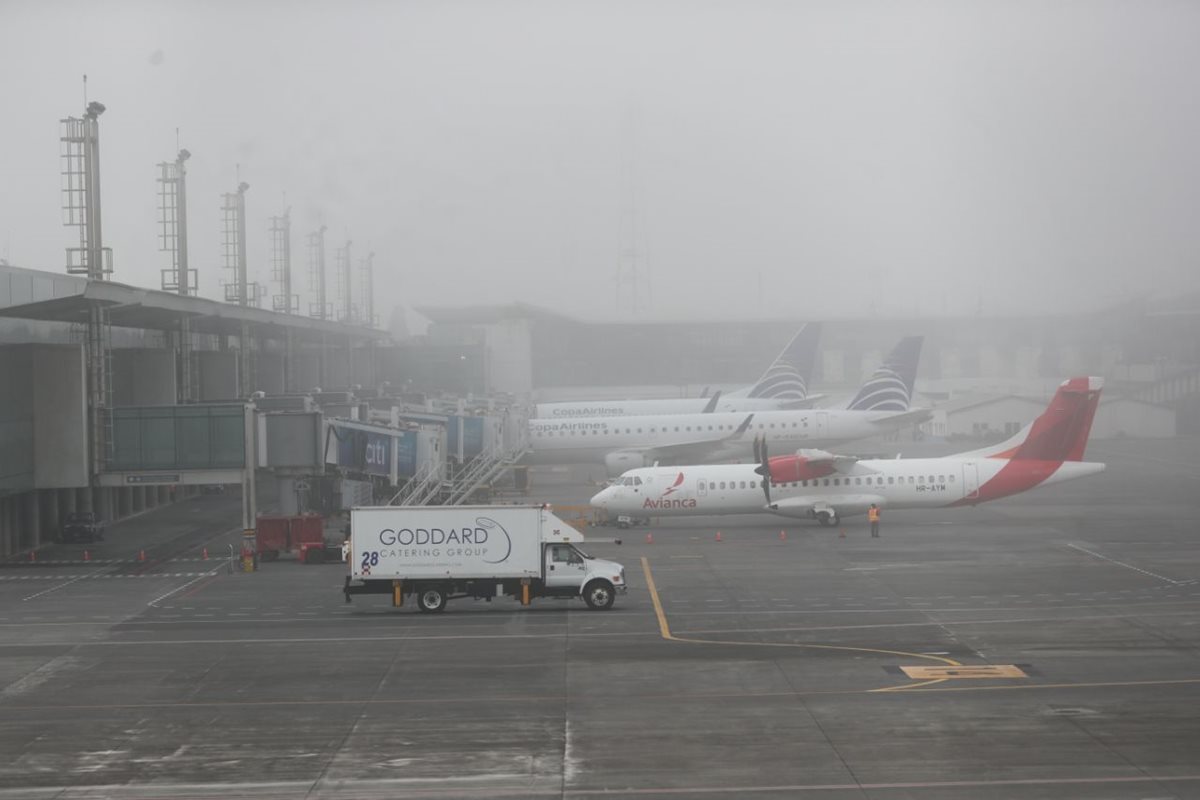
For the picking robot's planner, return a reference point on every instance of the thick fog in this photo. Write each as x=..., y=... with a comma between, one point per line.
x=791, y=160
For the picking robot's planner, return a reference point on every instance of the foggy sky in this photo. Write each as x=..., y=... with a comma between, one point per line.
x=789, y=160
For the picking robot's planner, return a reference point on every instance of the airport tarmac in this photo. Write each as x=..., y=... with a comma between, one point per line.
x=1044, y=646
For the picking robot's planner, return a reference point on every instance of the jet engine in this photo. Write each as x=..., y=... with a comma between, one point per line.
x=623, y=460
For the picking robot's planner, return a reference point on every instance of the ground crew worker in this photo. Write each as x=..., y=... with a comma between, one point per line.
x=873, y=518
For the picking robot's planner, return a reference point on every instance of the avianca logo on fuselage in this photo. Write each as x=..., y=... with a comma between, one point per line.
x=665, y=501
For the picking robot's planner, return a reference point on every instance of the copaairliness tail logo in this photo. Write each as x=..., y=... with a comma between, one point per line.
x=890, y=387
x=787, y=377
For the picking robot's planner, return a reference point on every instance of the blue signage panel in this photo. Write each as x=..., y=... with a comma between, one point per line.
x=406, y=454
x=472, y=428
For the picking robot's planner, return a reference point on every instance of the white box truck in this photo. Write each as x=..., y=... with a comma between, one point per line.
x=439, y=553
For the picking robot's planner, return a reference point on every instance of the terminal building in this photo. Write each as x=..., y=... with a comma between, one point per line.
x=163, y=408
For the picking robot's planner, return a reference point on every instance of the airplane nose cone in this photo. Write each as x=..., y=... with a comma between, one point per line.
x=600, y=499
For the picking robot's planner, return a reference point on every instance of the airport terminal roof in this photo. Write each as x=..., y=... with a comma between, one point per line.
x=483, y=315
x=52, y=297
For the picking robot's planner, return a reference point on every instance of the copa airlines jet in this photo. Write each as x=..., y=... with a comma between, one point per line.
x=783, y=385
x=820, y=485
x=625, y=442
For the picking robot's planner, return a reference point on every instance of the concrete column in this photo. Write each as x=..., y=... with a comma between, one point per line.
x=287, y=496
x=102, y=503
x=67, y=501
x=31, y=535
x=51, y=519
x=124, y=502
x=83, y=499
x=6, y=544
x=139, y=499
x=164, y=495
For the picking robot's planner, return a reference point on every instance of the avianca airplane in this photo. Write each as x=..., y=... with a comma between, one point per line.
x=624, y=442
x=820, y=485
x=783, y=385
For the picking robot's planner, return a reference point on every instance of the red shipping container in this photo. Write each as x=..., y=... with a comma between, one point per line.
x=283, y=534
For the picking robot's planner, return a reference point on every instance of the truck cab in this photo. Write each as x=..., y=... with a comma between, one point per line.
x=568, y=572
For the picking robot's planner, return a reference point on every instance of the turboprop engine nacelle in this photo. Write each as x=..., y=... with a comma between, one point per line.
x=620, y=462
x=804, y=466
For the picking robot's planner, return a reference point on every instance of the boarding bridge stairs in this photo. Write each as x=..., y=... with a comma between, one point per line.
x=422, y=489
x=483, y=470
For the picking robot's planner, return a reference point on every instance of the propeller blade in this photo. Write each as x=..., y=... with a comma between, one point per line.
x=757, y=451
x=764, y=469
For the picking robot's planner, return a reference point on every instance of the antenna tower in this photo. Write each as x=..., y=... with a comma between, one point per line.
x=281, y=264
x=172, y=221
x=368, y=291
x=233, y=249
x=345, y=270
x=316, y=274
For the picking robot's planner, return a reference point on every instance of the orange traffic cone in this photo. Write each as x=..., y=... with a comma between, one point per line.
x=33, y=555
x=206, y=554
x=841, y=533
x=783, y=536
x=649, y=538
x=87, y=556
x=141, y=555
x=718, y=536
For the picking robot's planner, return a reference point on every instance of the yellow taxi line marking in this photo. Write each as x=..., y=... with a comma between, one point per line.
x=665, y=630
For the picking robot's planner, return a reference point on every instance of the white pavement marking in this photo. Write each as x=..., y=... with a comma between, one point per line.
x=153, y=603
x=1123, y=564
x=56, y=588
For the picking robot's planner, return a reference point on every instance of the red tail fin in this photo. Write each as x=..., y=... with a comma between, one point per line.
x=1061, y=432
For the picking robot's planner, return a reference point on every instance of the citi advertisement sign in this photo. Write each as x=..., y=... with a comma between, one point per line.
x=365, y=452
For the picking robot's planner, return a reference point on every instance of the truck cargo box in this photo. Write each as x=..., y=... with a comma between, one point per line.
x=428, y=542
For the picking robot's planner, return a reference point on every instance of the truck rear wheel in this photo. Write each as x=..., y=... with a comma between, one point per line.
x=431, y=599
x=599, y=595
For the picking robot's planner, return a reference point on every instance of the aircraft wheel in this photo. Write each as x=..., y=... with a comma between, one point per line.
x=826, y=519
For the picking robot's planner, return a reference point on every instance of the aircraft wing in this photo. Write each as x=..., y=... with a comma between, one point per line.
x=913, y=415
x=695, y=450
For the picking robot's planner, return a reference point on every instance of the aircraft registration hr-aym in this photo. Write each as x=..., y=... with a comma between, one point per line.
x=881, y=406
x=783, y=385
x=824, y=486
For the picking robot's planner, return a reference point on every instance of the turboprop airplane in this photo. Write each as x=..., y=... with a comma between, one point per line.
x=783, y=385
x=823, y=486
x=624, y=442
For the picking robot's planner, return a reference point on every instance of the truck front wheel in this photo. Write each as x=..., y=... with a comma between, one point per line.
x=431, y=599
x=599, y=595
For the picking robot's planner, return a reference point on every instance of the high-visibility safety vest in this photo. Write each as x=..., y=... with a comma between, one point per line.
x=873, y=515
